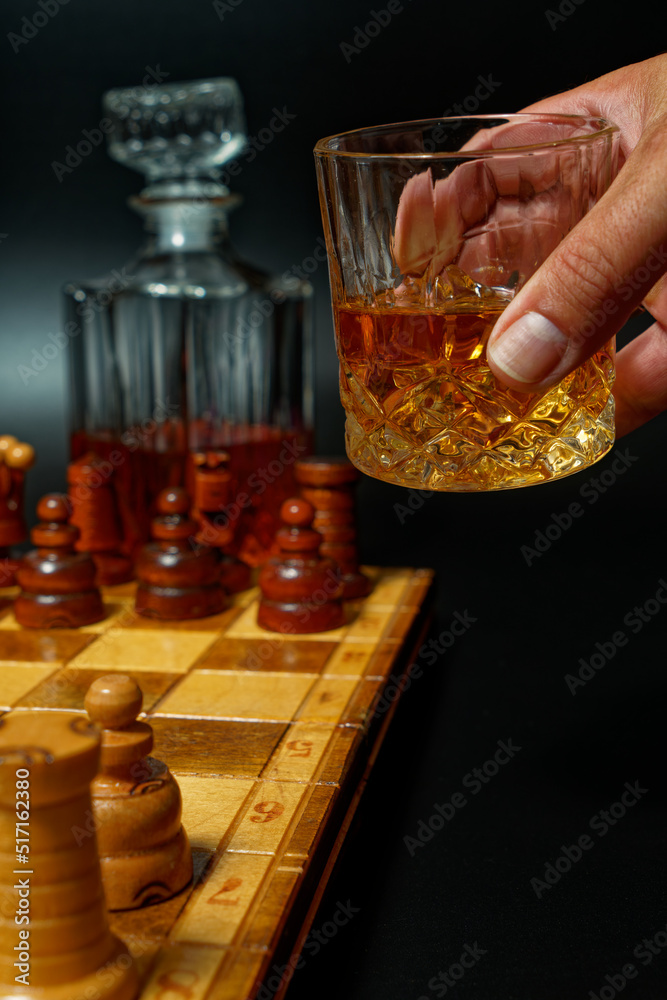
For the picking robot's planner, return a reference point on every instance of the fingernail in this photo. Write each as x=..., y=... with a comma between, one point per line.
x=529, y=349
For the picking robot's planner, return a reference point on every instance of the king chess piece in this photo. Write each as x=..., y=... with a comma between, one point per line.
x=57, y=584
x=328, y=483
x=178, y=577
x=301, y=591
x=66, y=949
x=144, y=852
x=213, y=497
x=16, y=457
x=95, y=514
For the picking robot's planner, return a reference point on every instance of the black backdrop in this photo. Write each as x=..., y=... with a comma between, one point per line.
x=504, y=679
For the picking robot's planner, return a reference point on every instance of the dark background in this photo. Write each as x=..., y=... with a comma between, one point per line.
x=505, y=678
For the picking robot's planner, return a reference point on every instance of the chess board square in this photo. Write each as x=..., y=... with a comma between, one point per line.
x=214, y=747
x=130, y=649
x=390, y=589
x=226, y=694
x=18, y=680
x=271, y=653
x=183, y=970
x=298, y=756
x=217, y=908
x=55, y=646
x=263, y=825
x=210, y=806
x=327, y=700
x=67, y=688
x=350, y=659
x=369, y=624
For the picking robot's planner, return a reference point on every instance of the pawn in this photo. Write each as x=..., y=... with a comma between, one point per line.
x=144, y=851
x=57, y=584
x=178, y=578
x=299, y=588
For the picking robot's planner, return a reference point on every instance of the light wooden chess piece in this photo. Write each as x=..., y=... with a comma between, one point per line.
x=57, y=584
x=144, y=851
x=16, y=457
x=48, y=870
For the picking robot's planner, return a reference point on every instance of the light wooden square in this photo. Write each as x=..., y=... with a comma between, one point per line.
x=350, y=659
x=183, y=970
x=18, y=679
x=229, y=694
x=298, y=755
x=327, y=700
x=131, y=649
x=217, y=908
x=269, y=813
x=210, y=806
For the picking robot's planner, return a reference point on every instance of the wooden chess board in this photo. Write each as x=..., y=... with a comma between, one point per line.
x=271, y=739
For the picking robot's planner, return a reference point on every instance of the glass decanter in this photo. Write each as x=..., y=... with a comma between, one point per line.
x=189, y=349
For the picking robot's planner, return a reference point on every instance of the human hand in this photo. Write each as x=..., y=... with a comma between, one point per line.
x=608, y=265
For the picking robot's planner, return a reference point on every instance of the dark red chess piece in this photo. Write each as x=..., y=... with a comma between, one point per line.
x=178, y=578
x=301, y=591
x=57, y=584
x=328, y=483
x=16, y=457
x=213, y=496
x=95, y=514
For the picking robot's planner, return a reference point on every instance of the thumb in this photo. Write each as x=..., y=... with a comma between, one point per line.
x=592, y=282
